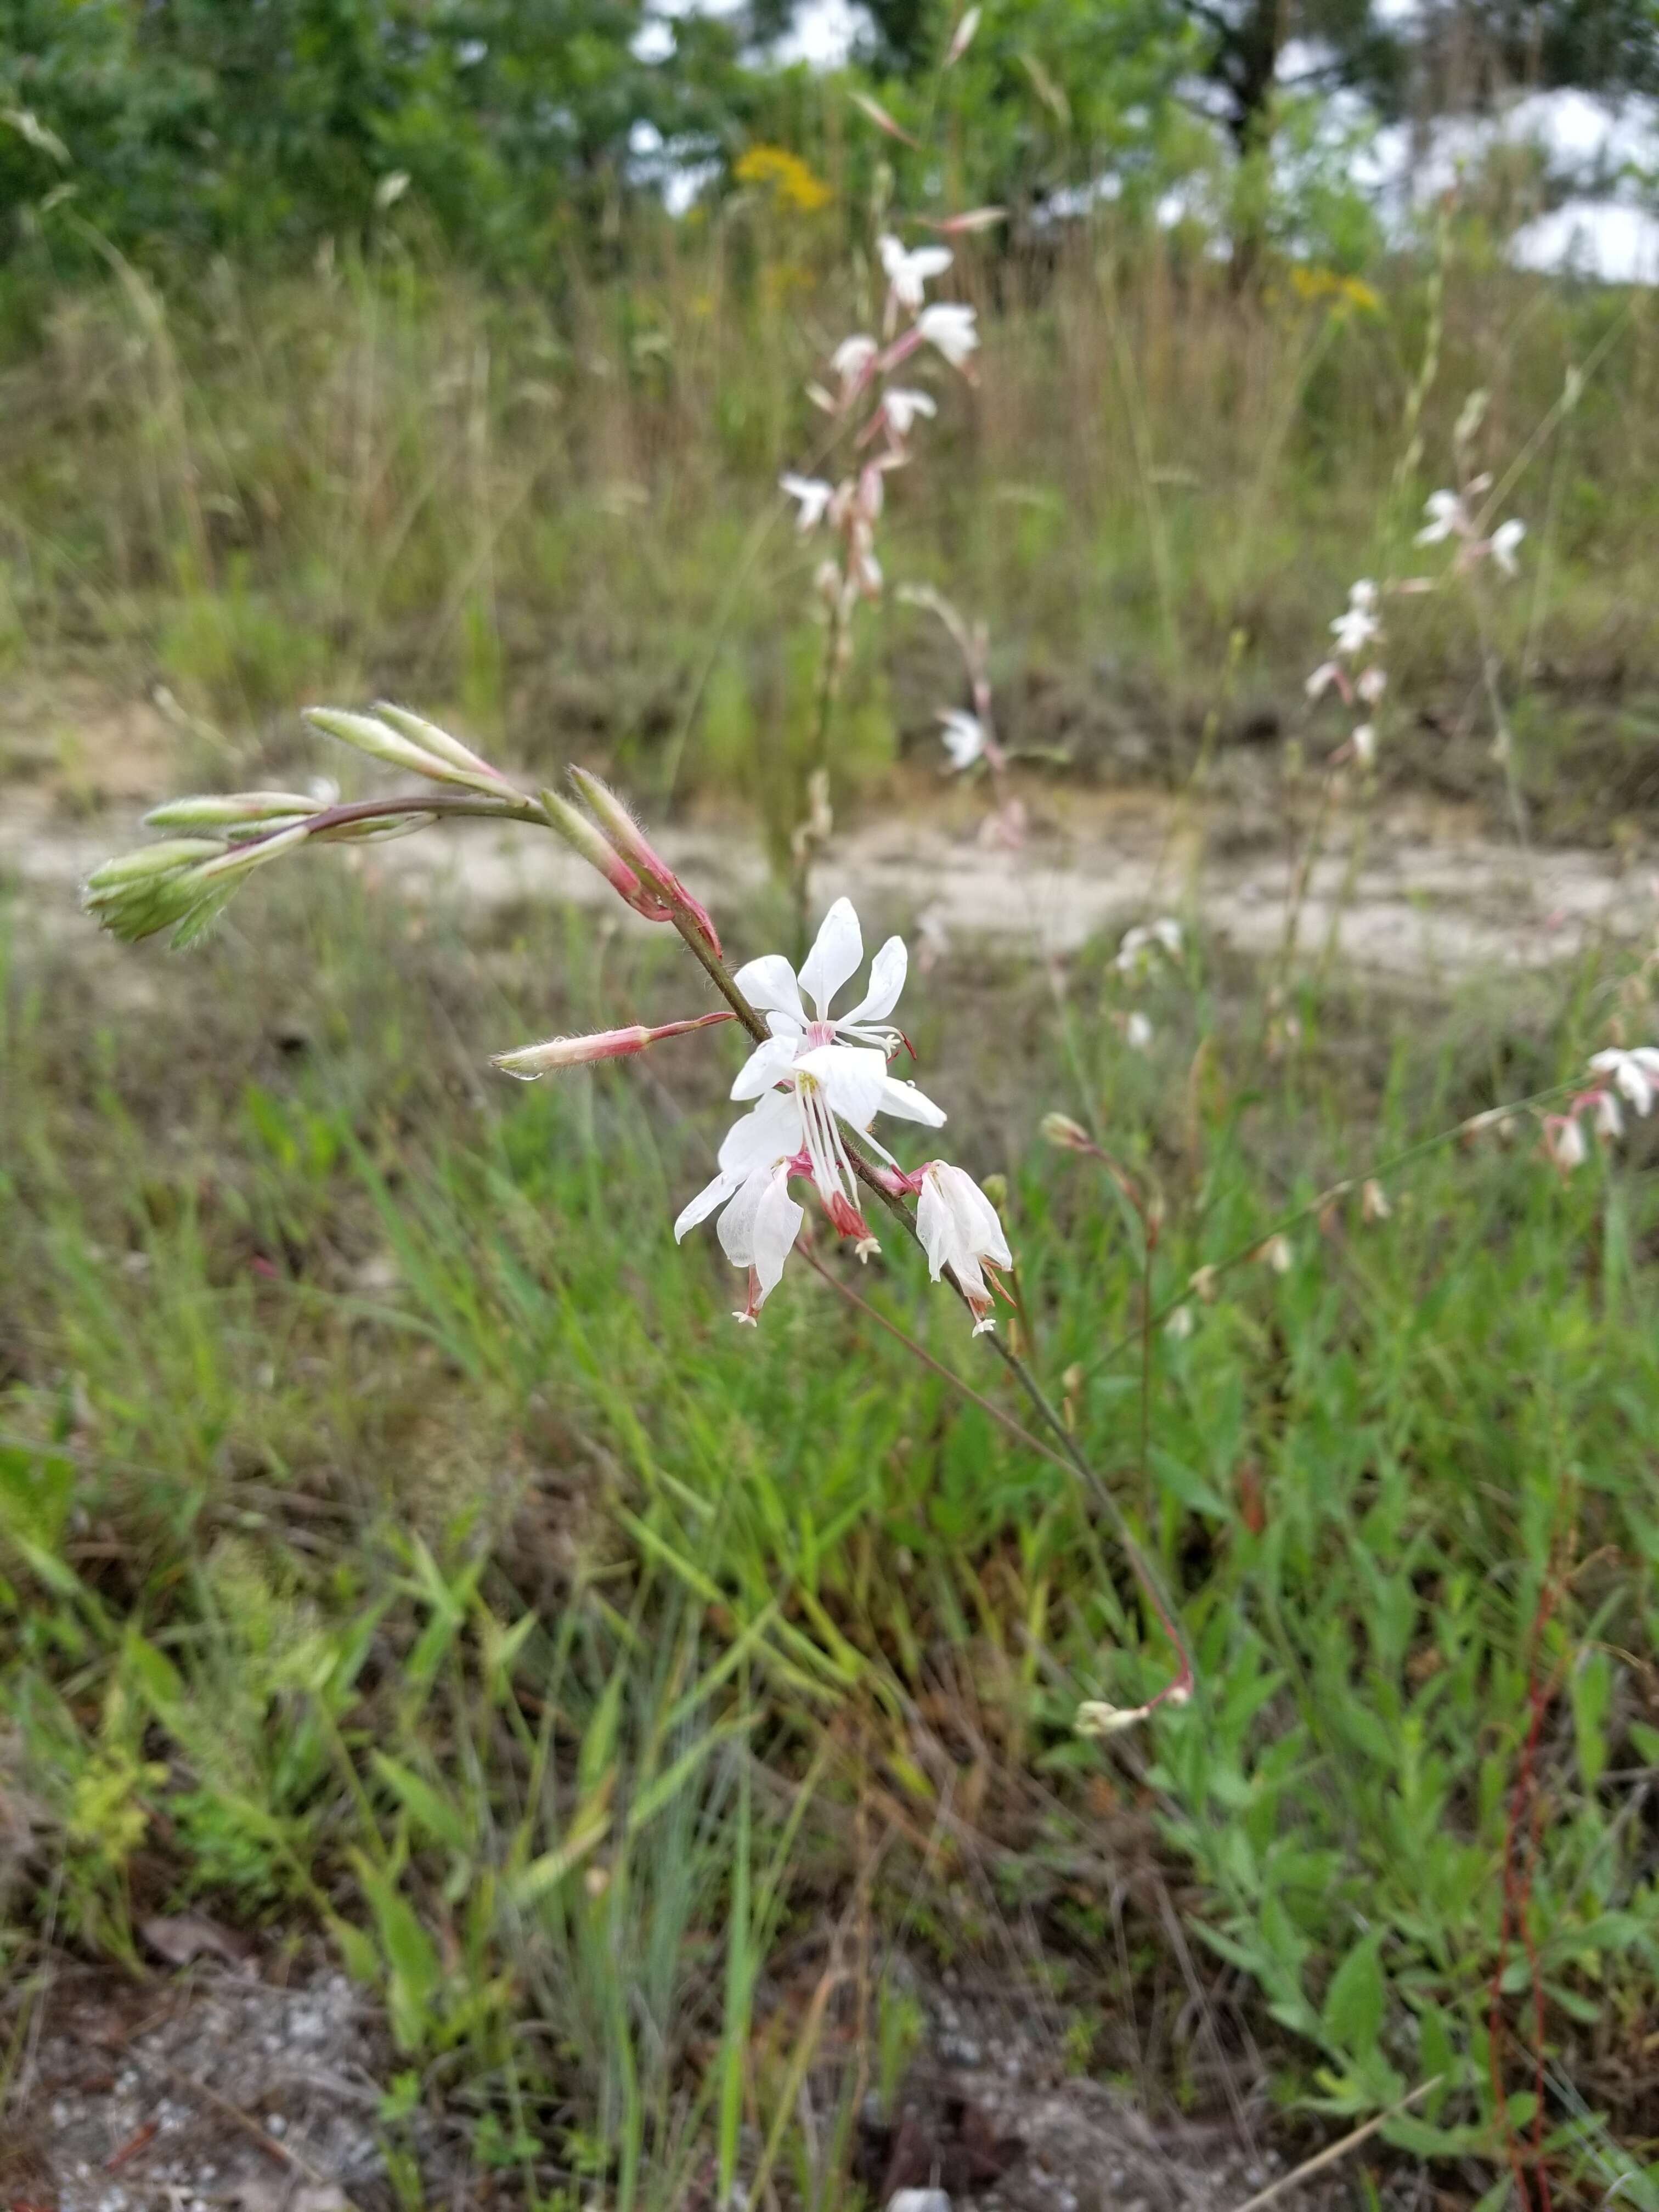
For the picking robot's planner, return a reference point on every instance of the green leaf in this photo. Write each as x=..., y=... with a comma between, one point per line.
x=1592, y=1695
x=1352, y=2018
x=429, y=1807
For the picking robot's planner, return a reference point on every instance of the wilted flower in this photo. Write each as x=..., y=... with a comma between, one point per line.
x=1276, y=1254
x=963, y=734
x=814, y=496
x=950, y=327
x=1205, y=1282
x=907, y=272
x=1374, y=1202
x=959, y=1229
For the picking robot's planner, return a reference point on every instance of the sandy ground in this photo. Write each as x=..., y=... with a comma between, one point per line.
x=1416, y=896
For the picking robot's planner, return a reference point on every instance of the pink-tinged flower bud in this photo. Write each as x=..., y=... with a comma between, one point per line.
x=625, y=834
x=972, y=219
x=578, y=831
x=603, y=1044
x=1061, y=1129
x=1563, y=1141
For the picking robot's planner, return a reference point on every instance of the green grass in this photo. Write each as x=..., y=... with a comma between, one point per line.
x=552, y=523
x=400, y=1546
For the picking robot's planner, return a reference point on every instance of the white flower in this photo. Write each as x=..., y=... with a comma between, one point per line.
x=1138, y=1032
x=1609, y=1120
x=1364, y=743
x=901, y=404
x=758, y=1230
x=1563, y=1140
x=959, y=1229
x=836, y=1065
x=1445, y=512
x=1321, y=680
x=1372, y=685
x=1634, y=1073
x=852, y=357
x=1139, y=944
x=907, y=273
x=814, y=495
x=1180, y=1324
x=1503, y=543
x=963, y=734
x=950, y=327
x=1355, y=629
x=1363, y=593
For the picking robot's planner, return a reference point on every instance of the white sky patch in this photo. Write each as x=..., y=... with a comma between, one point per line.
x=1604, y=238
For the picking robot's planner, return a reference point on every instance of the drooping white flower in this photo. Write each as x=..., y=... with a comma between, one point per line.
x=758, y=1228
x=1134, y=954
x=1609, y=1117
x=1363, y=593
x=951, y=328
x=853, y=356
x=901, y=404
x=1636, y=1074
x=814, y=496
x=963, y=734
x=1321, y=681
x=1445, y=512
x=1503, y=543
x=1563, y=1140
x=1364, y=742
x=1138, y=1032
x=959, y=1229
x=1371, y=684
x=907, y=272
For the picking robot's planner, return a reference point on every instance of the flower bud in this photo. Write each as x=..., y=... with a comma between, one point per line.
x=578, y=831
x=625, y=835
x=995, y=1187
x=469, y=766
x=231, y=811
x=1071, y=1136
x=603, y=1044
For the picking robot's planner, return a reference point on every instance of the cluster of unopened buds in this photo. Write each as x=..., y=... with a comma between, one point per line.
x=815, y=1083
x=866, y=397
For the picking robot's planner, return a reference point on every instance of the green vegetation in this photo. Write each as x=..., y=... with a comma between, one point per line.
x=400, y=1542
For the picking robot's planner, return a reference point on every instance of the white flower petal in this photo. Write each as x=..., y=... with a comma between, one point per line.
x=887, y=972
x=907, y=1104
x=836, y=954
x=771, y=1132
x=852, y=1077
x=776, y=1225
x=711, y=1195
x=769, y=986
x=767, y=1065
